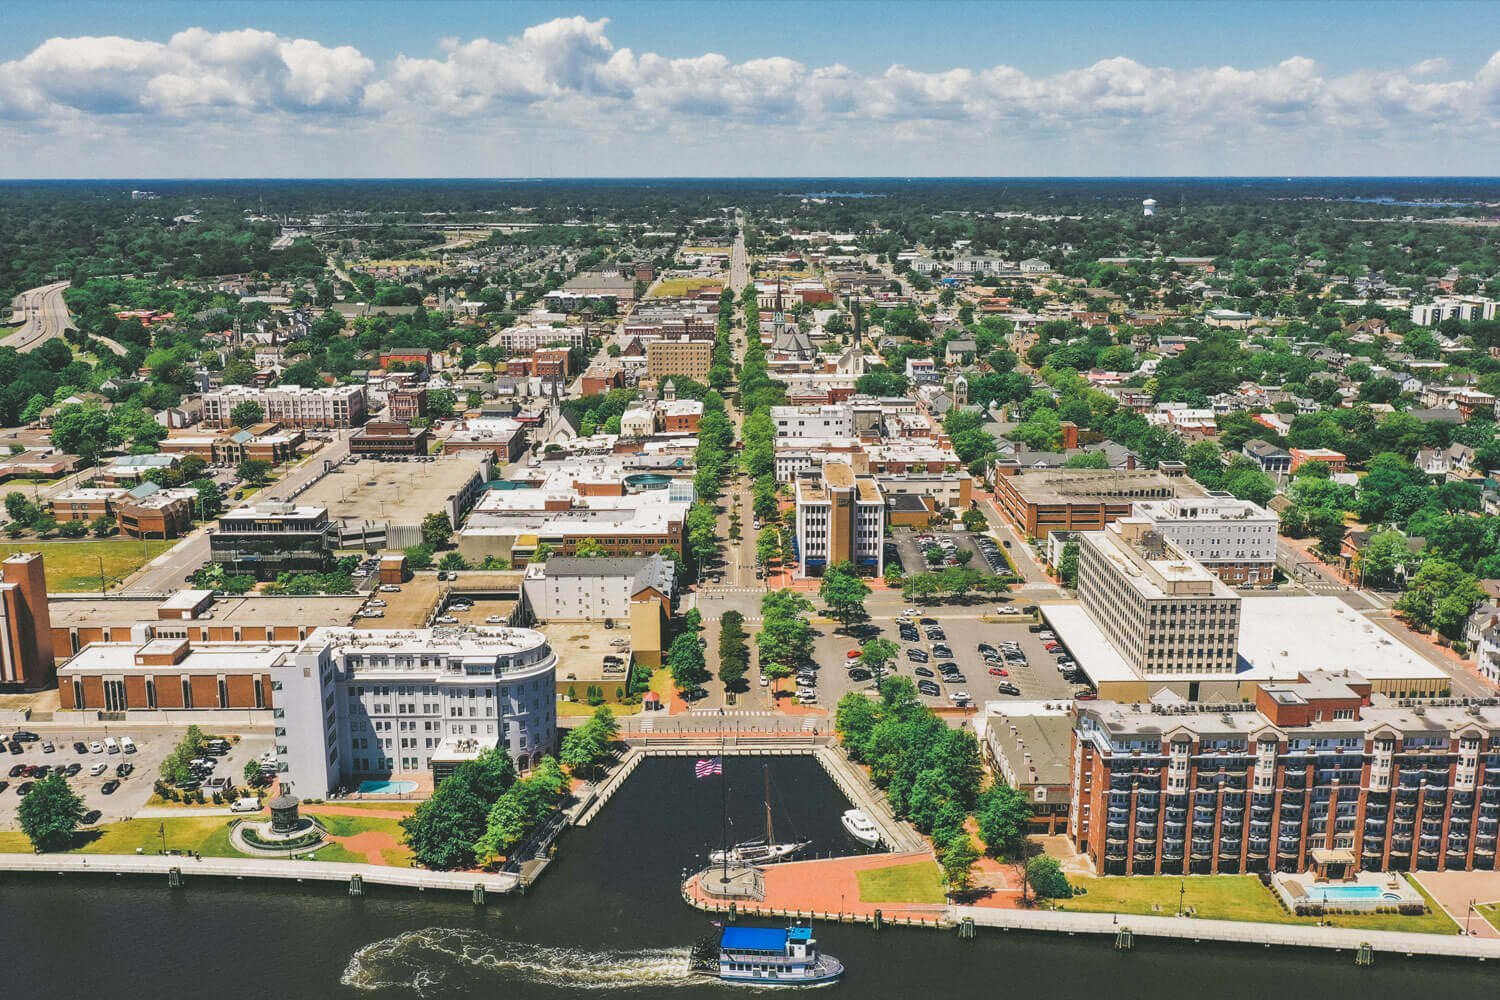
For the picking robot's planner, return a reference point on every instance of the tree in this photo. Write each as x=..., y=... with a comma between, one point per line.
x=543, y=553
x=877, y=653
x=210, y=498
x=1046, y=878
x=1067, y=564
x=252, y=773
x=443, y=831
x=520, y=808
x=418, y=556
x=854, y=719
x=50, y=813
x=191, y=467
x=974, y=520
x=255, y=471
x=959, y=857
x=1003, y=815
x=72, y=529
x=102, y=526
x=587, y=746
x=247, y=413
x=82, y=431
x=436, y=530
x=767, y=544
x=785, y=638
x=844, y=593
x=734, y=650
x=893, y=574
x=685, y=661
x=1441, y=595
x=934, y=554
x=453, y=561
x=590, y=548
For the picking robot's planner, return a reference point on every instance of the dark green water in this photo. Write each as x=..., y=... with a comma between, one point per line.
x=606, y=917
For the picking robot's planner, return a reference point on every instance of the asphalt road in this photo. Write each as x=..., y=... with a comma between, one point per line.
x=739, y=259
x=46, y=316
x=165, y=574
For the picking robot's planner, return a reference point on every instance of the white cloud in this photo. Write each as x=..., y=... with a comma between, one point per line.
x=564, y=83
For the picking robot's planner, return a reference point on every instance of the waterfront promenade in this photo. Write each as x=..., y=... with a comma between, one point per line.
x=161, y=865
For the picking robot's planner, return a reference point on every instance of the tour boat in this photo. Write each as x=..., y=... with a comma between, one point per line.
x=860, y=828
x=766, y=956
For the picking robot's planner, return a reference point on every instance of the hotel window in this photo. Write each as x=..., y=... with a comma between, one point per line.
x=150, y=693
x=223, y=693
x=187, y=693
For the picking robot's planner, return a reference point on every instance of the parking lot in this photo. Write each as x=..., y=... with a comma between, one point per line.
x=912, y=547
x=1038, y=679
x=153, y=744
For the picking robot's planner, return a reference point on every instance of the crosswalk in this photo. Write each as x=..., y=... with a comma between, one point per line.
x=706, y=591
x=741, y=713
x=748, y=618
x=648, y=724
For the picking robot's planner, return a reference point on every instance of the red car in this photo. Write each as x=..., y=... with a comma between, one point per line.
x=1086, y=696
x=999, y=671
x=1052, y=647
x=853, y=654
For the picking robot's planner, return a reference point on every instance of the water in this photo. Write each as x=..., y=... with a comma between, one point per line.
x=606, y=917
x=387, y=787
x=1338, y=892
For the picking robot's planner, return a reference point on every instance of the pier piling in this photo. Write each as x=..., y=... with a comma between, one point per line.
x=174, y=878
x=1366, y=954
x=1124, y=940
x=356, y=885
x=478, y=894
x=966, y=928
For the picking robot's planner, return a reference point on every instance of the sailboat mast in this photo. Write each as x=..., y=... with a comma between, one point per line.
x=724, y=795
x=770, y=838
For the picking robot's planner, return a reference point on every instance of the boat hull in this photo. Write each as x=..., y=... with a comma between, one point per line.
x=826, y=970
x=868, y=837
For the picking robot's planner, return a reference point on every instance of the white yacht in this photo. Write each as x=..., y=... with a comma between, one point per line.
x=860, y=828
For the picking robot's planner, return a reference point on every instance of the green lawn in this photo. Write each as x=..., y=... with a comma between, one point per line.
x=207, y=835
x=1489, y=911
x=1231, y=897
x=14, y=842
x=918, y=882
x=349, y=826
x=74, y=566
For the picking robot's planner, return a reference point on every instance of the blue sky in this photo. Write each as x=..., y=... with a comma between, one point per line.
x=703, y=88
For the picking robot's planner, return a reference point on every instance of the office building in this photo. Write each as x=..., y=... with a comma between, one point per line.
x=290, y=405
x=389, y=437
x=1162, y=612
x=1233, y=539
x=840, y=518
x=26, y=661
x=1042, y=500
x=1467, y=308
x=268, y=539
x=1316, y=773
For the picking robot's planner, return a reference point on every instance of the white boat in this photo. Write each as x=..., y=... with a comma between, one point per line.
x=858, y=826
x=766, y=957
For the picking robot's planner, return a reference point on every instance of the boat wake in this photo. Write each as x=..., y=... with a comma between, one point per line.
x=424, y=959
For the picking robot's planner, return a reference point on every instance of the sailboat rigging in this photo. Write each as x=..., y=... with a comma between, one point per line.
x=760, y=850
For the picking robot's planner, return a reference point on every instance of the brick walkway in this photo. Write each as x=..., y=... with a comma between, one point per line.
x=1454, y=890
x=831, y=885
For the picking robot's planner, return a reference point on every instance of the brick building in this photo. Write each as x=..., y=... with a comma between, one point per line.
x=389, y=437
x=407, y=404
x=26, y=661
x=1317, y=765
x=1043, y=500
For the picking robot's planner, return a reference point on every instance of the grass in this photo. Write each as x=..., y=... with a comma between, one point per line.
x=917, y=882
x=1489, y=911
x=349, y=826
x=1232, y=897
x=682, y=286
x=14, y=842
x=395, y=805
x=208, y=835
x=74, y=566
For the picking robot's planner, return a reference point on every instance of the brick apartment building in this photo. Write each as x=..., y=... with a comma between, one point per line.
x=406, y=405
x=679, y=357
x=1314, y=771
x=389, y=437
x=290, y=405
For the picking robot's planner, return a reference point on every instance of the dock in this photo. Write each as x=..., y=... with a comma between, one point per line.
x=163, y=866
x=1229, y=931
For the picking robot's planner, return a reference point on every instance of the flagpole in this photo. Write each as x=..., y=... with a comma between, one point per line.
x=724, y=793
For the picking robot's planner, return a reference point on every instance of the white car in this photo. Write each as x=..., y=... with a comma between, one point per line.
x=764, y=681
x=446, y=620
x=245, y=806
x=958, y=697
x=376, y=603
x=360, y=573
x=390, y=588
x=96, y=747
x=495, y=620
x=98, y=769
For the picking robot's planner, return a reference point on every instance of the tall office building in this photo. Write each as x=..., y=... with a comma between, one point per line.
x=840, y=518
x=25, y=626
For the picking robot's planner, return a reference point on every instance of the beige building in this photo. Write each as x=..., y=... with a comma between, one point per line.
x=1162, y=611
x=840, y=518
x=679, y=357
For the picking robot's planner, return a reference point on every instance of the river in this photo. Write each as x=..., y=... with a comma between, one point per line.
x=606, y=916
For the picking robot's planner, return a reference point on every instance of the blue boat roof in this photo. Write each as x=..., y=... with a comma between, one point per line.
x=800, y=934
x=753, y=939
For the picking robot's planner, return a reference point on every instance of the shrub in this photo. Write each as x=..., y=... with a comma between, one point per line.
x=1412, y=909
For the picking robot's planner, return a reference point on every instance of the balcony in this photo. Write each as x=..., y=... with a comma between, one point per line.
x=1401, y=845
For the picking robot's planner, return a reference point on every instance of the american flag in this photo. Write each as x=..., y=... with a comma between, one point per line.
x=708, y=766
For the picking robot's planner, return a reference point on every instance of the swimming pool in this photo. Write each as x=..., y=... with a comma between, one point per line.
x=1335, y=893
x=387, y=787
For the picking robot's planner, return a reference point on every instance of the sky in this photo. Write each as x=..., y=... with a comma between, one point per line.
x=711, y=88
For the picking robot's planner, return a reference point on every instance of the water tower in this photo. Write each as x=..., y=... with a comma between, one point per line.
x=1148, y=207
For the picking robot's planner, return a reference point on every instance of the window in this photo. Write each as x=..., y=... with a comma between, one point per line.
x=187, y=693
x=151, y=693
x=223, y=693
x=260, y=693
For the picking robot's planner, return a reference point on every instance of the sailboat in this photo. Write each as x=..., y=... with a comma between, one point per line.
x=762, y=850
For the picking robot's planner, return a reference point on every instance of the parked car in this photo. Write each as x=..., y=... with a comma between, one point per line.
x=999, y=672
x=941, y=650
x=23, y=788
x=80, y=747
x=859, y=675
x=72, y=769
x=124, y=770
x=959, y=697
x=91, y=817
x=13, y=747
x=17, y=770
x=446, y=620
x=924, y=672
x=928, y=688
x=916, y=656
x=128, y=745
x=96, y=747
x=47, y=747
x=108, y=788
x=1009, y=689
x=97, y=769
x=389, y=588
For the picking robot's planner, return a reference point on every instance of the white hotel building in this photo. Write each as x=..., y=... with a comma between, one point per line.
x=1233, y=539
x=393, y=702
